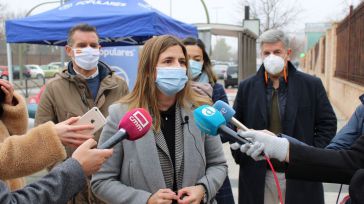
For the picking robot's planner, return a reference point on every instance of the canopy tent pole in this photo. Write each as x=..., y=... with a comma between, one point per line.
x=62, y=56
x=10, y=64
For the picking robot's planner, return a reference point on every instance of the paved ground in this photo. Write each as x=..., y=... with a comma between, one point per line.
x=330, y=189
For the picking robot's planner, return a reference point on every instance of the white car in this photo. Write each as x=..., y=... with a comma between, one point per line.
x=220, y=70
x=59, y=64
x=35, y=71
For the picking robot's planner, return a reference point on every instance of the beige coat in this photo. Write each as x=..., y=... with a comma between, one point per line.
x=27, y=154
x=68, y=95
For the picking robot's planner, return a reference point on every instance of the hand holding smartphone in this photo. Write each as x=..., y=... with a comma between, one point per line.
x=93, y=117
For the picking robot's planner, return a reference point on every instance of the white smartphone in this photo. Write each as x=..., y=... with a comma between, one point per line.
x=93, y=117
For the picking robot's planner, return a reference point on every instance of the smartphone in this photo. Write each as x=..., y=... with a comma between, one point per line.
x=94, y=117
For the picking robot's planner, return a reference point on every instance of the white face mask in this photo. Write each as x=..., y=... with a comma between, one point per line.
x=273, y=64
x=86, y=58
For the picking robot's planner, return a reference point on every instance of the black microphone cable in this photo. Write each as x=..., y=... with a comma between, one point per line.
x=338, y=195
x=186, y=119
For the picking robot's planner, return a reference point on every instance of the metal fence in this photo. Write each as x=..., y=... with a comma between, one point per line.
x=350, y=47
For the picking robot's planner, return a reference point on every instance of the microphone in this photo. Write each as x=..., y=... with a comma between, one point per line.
x=228, y=113
x=134, y=125
x=212, y=122
x=185, y=121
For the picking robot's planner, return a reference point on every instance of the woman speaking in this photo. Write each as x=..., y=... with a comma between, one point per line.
x=174, y=161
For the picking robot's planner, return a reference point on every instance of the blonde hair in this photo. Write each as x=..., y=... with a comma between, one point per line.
x=144, y=92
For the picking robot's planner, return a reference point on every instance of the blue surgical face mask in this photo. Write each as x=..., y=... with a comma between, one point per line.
x=195, y=68
x=171, y=80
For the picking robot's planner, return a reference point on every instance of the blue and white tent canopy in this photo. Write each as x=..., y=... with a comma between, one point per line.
x=118, y=22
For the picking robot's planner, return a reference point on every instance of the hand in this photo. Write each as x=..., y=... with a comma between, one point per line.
x=254, y=150
x=162, y=196
x=91, y=159
x=70, y=135
x=273, y=147
x=193, y=195
x=204, y=89
x=8, y=90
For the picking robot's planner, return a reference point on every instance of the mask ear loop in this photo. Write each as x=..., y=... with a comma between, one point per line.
x=285, y=75
x=266, y=77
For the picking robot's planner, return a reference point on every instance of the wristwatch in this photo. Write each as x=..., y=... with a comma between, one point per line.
x=204, y=199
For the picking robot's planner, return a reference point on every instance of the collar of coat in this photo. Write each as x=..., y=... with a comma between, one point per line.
x=104, y=69
x=105, y=74
x=290, y=70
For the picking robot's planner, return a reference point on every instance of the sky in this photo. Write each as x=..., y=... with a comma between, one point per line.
x=221, y=11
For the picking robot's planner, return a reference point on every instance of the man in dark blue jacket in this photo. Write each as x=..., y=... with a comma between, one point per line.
x=283, y=100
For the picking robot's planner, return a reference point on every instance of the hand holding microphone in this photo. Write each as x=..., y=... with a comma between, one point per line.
x=263, y=141
x=91, y=159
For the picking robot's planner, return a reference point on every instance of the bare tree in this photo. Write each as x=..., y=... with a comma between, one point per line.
x=273, y=14
x=3, y=8
x=297, y=46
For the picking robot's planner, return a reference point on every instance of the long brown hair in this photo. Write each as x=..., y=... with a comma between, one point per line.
x=144, y=93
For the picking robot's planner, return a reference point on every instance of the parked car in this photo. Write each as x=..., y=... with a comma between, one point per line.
x=58, y=64
x=219, y=70
x=16, y=72
x=33, y=102
x=35, y=71
x=50, y=70
x=231, y=76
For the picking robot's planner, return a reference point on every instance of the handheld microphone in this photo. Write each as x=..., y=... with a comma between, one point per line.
x=134, y=125
x=228, y=113
x=212, y=122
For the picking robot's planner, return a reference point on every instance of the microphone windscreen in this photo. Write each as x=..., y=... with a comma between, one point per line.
x=136, y=123
x=208, y=119
x=224, y=108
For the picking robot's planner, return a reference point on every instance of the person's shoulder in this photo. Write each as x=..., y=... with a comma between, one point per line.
x=307, y=77
x=118, y=107
x=218, y=86
x=55, y=84
x=248, y=81
x=119, y=80
x=360, y=110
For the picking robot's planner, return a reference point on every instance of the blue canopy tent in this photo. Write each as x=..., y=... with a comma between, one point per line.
x=118, y=22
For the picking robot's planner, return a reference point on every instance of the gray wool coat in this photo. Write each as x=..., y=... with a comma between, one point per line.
x=134, y=172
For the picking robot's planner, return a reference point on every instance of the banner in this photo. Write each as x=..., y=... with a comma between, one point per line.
x=123, y=60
